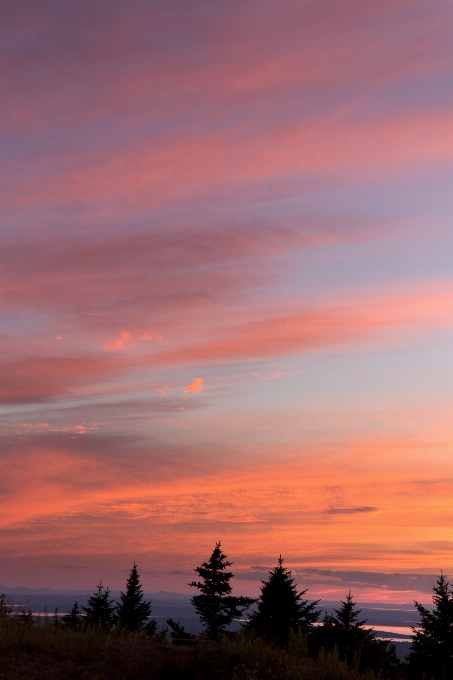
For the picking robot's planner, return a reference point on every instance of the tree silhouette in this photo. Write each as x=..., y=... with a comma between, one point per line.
x=74, y=619
x=281, y=608
x=5, y=610
x=133, y=610
x=431, y=653
x=100, y=609
x=347, y=616
x=357, y=645
x=215, y=605
x=178, y=632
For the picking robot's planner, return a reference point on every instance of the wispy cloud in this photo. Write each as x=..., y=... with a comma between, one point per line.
x=350, y=511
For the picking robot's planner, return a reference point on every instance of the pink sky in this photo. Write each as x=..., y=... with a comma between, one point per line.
x=227, y=292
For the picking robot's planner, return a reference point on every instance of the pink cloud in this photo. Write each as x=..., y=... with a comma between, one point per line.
x=154, y=173
x=370, y=320
x=195, y=386
x=354, y=322
x=271, y=375
x=123, y=341
x=216, y=147
x=36, y=379
x=126, y=340
x=280, y=54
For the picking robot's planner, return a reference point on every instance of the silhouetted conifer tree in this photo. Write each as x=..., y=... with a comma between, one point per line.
x=215, y=605
x=74, y=619
x=357, y=645
x=100, y=609
x=151, y=628
x=347, y=616
x=133, y=610
x=178, y=632
x=431, y=653
x=5, y=610
x=281, y=608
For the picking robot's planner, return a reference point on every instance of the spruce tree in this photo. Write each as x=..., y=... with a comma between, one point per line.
x=178, y=632
x=5, y=610
x=431, y=653
x=215, y=605
x=100, y=609
x=357, y=645
x=74, y=619
x=281, y=608
x=347, y=616
x=133, y=610
x=151, y=629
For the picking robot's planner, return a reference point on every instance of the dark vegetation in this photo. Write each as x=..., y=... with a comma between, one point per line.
x=432, y=647
x=215, y=604
x=281, y=610
x=279, y=638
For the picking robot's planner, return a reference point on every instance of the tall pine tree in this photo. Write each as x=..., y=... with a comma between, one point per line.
x=100, y=609
x=431, y=653
x=133, y=610
x=281, y=608
x=215, y=605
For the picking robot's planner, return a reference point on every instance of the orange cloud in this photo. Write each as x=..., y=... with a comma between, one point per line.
x=388, y=517
x=126, y=340
x=123, y=341
x=195, y=386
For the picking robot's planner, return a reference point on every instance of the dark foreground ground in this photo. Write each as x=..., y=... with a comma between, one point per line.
x=28, y=652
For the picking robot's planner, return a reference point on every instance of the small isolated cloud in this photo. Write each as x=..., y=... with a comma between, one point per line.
x=149, y=336
x=195, y=386
x=270, y=376
x=126, y=340
x=260, y=568
x=77, y=429
x=123, y=341
x=40, y=426
x=350, y=511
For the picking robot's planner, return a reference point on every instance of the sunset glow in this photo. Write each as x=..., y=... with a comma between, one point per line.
x=227, y=292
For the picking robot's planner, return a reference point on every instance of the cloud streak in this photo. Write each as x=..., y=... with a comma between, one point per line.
x=367, y=321
x=350, y=511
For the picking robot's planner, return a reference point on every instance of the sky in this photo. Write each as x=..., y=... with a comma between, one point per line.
x=227, y=292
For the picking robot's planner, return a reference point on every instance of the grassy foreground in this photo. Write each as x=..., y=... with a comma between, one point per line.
x=45, y=652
